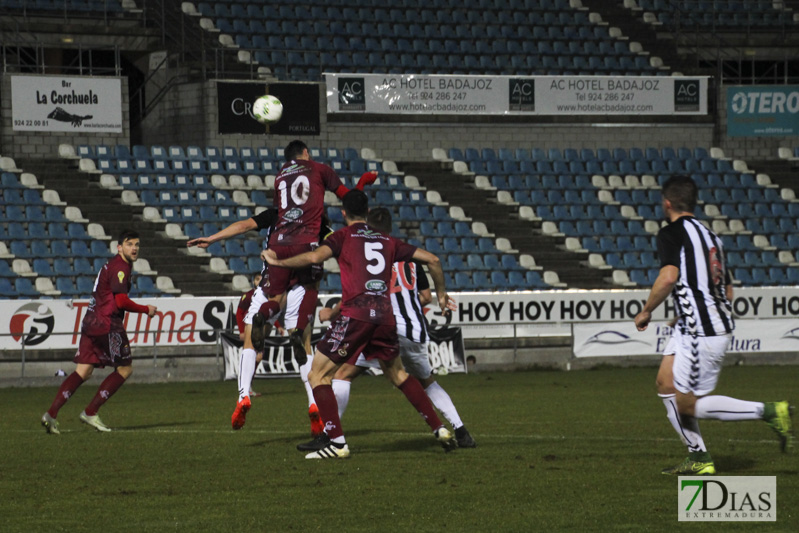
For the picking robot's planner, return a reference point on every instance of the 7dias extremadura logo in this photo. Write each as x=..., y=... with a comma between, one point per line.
x=727, y=499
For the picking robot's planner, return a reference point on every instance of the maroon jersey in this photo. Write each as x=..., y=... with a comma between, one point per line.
x=246, y=298
x=103, y=315
x=300, y=193
x=365, y=257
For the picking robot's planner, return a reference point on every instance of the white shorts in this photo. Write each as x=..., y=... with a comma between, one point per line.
x=293, y=301
x=413, y=355
x=697, y=362
x=292, y=312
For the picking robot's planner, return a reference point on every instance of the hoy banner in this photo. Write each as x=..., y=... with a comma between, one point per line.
x=421, y=94
x=60, y=103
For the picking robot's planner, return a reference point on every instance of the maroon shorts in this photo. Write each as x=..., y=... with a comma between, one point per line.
x=347, y=338
x=111, y=349
x=280, y=279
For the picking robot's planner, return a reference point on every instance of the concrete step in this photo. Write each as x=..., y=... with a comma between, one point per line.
x=167, y=256
x=503, y=221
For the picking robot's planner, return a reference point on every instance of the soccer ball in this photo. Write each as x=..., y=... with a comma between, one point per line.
x=267, y=109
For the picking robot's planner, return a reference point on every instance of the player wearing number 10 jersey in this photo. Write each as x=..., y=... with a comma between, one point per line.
x=366, y=324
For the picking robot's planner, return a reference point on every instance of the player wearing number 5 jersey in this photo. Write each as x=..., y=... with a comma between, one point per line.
x=366, y=324
x=410, y=291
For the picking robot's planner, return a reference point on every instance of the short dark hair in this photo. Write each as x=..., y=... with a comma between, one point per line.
x=682, y=192
x=356, y=204
x=256, y=275
x=380, y=219
x=126, y=234
x=294, y=149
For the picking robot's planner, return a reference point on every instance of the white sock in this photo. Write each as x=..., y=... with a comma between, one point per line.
x=727, y=409
x=341, y=388
x=304, y=370
x=443, y=403
x=686, y=427
x=246, y=371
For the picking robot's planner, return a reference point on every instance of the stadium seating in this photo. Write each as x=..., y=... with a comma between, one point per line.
x=735, y=16
x=477, y=37
x=615, y=210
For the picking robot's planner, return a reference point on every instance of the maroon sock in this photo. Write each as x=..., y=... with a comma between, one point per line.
x=67, y=389
x=270, y=310
x=328, y=410
x=107, y=389
x=413, y=390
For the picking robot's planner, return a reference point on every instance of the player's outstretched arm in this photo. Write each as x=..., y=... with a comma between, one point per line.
x=660, y=291
x=237, y=228
x=320, y=255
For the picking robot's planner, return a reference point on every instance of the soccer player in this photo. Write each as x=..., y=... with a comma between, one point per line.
x=299, y=301
x=366, y=323
x=103, y=341
x=241, y=312
x=694, y=272
x=410, y=292
x=300, y=187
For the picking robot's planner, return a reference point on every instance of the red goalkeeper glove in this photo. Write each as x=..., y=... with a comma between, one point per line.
x=367, y=178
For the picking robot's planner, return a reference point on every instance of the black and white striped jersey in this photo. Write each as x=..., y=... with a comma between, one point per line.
x=407, y=279
x=700, y=296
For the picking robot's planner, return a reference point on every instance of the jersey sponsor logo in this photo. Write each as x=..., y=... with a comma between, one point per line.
x=34, y=322
x=293, y=214
x=376, y=285
x=121, y=276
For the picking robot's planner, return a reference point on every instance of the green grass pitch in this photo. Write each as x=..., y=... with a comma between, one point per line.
x=557, y=451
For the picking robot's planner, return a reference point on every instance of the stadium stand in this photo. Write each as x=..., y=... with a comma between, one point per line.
x=520, y=38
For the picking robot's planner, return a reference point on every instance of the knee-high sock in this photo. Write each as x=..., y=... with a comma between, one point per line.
x=107, y=389
x=341, y=388
x=443, y=403
x=727, y=409
x=67, y=389
x=304, y=370
x=686, y=427
x=246, y=372
x=413, y=390
x=328, y=410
